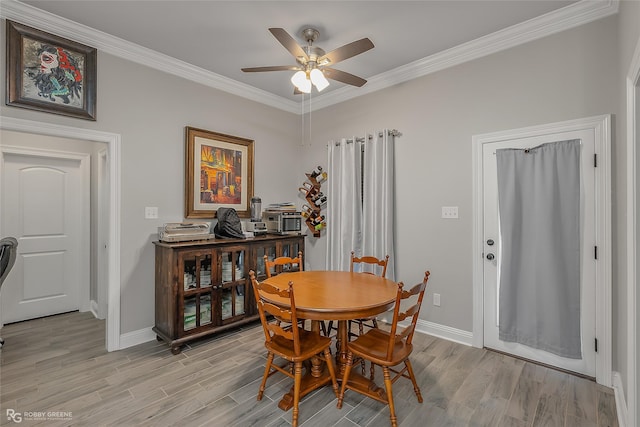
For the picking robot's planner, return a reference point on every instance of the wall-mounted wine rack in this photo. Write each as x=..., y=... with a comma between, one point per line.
x=316, y=201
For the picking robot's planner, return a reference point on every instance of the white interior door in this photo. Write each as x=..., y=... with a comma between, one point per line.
x=492, y=253
x=44, y=203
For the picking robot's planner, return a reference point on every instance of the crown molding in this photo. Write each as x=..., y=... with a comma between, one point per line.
x=574, y=15
x=54, y=24
x=571, y=16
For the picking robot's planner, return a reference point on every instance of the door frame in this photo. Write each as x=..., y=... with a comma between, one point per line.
x=113, y=238
x=601, y=126
x=633, y=239
x=102, y=202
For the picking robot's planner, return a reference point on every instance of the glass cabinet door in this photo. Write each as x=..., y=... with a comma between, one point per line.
x=196, y=270
x=291, y=249
x=234, y=277
x=197, y=311
x=190, y=310
x=261, y=251
x=233, y=301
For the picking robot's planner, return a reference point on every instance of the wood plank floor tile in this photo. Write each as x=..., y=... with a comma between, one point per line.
x=582, y=401
x=60, y=363
x=474, y=385
x=489, y=412
x=578, y=422
x=524, y=400
x=606, y=408
x=508, y=421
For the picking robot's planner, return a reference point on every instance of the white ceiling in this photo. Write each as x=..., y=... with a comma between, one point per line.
x=220, y=37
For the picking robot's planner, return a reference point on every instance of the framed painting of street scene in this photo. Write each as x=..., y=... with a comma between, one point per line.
x=218, y=173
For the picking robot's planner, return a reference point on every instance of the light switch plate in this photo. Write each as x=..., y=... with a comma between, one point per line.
x=436, y=300
x=449, y=212
x=151, y=212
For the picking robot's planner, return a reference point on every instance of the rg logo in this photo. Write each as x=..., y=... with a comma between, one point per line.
x=14, y=416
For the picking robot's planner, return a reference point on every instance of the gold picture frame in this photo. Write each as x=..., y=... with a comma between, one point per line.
x=218, y=173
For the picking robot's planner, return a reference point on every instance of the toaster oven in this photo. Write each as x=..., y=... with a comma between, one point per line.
x=282, y=222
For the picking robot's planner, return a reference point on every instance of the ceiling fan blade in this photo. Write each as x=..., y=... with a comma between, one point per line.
x=289, y=43
x=344, y=77
x=347, y=51
x=271, y=68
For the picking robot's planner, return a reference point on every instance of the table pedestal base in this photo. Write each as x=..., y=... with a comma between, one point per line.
x=364, y=385
x=311, y=380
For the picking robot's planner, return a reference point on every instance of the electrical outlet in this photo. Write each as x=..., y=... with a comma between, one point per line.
x=450, y=212
x=436, y=300
x=151, y=212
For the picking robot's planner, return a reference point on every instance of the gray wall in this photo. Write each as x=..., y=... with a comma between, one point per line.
x=150, y=109
x=561, y=77
x=566, y=76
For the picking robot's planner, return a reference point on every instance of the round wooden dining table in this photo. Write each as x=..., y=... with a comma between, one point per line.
x=334, y=295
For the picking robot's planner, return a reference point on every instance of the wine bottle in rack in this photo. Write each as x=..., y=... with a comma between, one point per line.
x=319, y=201
x=317, y=220
x=322, y=177
x=317, y=171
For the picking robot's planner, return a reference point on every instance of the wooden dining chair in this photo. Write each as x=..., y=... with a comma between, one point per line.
x=283, y=264
x=370, y=265
x=377, y=265
x=294, y=344
x=388, y=349
x=8, y=251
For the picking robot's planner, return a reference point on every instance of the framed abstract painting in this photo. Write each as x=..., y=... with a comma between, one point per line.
x=49, y=73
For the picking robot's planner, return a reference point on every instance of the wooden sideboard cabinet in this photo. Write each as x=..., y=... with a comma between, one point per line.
x=203, y=287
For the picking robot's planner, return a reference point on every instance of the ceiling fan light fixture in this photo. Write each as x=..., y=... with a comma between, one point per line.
x=318, y=79
x=300, y=81
x=312, y=60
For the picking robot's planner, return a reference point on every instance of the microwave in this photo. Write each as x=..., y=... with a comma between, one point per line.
x=282, y=222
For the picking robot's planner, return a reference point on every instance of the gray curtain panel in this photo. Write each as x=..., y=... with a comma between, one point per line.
x=539, y=208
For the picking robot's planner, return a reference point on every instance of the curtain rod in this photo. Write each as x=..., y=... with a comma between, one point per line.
x=392, y=132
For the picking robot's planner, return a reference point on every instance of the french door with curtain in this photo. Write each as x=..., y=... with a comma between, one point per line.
x=539, y=237
x=361, y=200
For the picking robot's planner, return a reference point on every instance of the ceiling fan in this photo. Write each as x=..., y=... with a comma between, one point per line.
x=314, y=65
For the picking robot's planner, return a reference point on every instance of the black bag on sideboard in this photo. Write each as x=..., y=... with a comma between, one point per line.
x=228, y=226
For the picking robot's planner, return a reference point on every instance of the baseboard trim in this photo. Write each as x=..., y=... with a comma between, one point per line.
x=445, y=332
x=441, y=331
x=621, y=402
x=136, y=337
x=93, y=308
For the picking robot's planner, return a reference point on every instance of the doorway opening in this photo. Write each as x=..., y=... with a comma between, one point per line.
x=111, y=218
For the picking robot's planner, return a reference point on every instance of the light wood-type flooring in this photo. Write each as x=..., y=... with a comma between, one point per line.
x=58, y=366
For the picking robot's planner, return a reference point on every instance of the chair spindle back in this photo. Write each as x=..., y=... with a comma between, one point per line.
x=276, y=330
x=279, y=264
x=371, y=261
x=411, y=312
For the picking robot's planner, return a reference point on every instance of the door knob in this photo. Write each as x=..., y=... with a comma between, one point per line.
x=490, y=242
x=490, y=256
